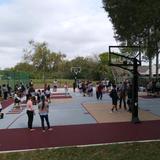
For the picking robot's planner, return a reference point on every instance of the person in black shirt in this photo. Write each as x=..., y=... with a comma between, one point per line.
x=113, y=94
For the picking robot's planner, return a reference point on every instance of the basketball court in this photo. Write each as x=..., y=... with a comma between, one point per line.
x=78, y=121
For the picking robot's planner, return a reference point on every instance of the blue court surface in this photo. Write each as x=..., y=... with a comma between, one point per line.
x=83, y=122
x=69, y=111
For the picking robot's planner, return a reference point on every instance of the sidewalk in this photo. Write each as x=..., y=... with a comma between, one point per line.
x=80, y=121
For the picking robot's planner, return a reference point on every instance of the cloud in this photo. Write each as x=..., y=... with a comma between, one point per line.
x=74, y=27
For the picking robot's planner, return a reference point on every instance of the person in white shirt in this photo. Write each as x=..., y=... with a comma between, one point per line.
x=17, y=100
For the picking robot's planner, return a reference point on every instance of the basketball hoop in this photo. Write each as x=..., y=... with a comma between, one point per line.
x=76, y=70
x=130, y=63
x=124, y=61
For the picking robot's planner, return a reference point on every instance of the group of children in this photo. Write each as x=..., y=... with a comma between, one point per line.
x=120, y=94
x=86, y=88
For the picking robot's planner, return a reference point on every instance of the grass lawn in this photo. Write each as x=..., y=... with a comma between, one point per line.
x=131, y=151
x=39, y=83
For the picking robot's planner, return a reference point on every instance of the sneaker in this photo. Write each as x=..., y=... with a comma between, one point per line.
x=32, y=129
x=50, y=129
x=43, y=130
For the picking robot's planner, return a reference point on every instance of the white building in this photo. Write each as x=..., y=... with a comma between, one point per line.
x=144, y=70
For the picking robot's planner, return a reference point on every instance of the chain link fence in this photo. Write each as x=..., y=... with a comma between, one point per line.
x=12, y=77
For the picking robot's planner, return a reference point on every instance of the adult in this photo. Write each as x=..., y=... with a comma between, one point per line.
x=114, y=95
x=130, y=96
x=5, y=91
x=74, y=86
x=43, y=108
x=100, y=90
x=90, y=89
x=123, y=95
x=97, y=93
x=84, y=88
x=30, y=113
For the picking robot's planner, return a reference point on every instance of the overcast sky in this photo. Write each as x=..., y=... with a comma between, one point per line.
x=73, y=27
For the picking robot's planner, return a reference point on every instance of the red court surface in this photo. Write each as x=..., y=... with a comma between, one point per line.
x=7, y=102
x=73, y=135
x=60, y=96
x=149, y=97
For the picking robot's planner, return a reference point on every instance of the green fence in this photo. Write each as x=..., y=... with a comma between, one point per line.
x=13, y=77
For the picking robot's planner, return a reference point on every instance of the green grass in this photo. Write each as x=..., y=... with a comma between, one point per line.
x=132, y=151
x=39, y=83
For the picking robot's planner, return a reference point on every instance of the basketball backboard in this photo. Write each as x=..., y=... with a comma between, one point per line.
x=123, y=56
x=76, y=70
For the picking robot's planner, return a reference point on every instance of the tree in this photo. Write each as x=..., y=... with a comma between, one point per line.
x=43, y=59
x=133, y=21
x=23, y=67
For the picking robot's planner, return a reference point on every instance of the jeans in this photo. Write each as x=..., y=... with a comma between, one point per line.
x=44, y=117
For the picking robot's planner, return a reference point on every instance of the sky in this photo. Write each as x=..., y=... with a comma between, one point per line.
x=73, y=27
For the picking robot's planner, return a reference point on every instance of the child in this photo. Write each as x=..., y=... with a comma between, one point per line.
x=1, y=114
x=66, y=89
x=113, y=94
x=17, y=100
x=43, y=108
x=48, y=93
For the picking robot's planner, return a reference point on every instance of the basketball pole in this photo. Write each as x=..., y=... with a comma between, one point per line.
x=75, y=70
x=134, y=71
x=135, y=118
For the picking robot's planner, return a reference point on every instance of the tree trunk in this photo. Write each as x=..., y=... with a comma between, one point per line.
x=150, y=68
x=157, y=64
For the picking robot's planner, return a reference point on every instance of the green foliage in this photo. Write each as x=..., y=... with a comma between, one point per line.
x=24, y=67
x=40, y=62
x=104, y=58
x=135, y=22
